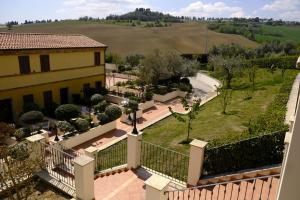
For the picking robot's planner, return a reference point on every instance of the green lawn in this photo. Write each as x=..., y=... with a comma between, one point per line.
x=285, y=33
x=217, y=128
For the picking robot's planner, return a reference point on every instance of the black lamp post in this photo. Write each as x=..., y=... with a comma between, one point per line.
x=134, y=131
x=56, y=139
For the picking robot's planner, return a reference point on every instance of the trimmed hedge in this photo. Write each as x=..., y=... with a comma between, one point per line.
x=67, y=112
x=32, y=117
x=82, y=125
x=273, y=119
x=245, y=154
x=286, y=61
x=96, y=98
x=113, y=112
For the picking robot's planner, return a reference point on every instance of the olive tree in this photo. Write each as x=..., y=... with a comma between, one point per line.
x=19, y=167
x=193, y=110
x=226, y=67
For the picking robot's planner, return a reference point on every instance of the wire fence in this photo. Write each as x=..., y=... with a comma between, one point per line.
x=113, y=156
x=164, y=161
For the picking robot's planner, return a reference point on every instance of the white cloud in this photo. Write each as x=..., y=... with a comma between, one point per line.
x=217, y=9
x=282, y=5
x=98, y=8
x=291, y=15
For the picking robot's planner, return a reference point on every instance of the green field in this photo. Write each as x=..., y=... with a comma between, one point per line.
x=287, y=33
x=122, y=39
x=213, y=126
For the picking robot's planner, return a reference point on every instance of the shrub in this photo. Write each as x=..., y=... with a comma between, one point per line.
x=32, y=117
x=82, y=125
x=148, y=96
x=135, y=98
x=67, y=112
x=161, y=90
x=103, y=118
x=22, y=133
x=128, y=94
x=250, y=153
x=100, y=107
x=31, y=106
x=65, y=126
x=96, y=98
x=185, y=87
x=5, y=131
x=273, y=119
x=121, y=68
x=113, y=112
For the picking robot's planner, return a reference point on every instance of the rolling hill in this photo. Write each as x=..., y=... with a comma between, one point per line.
x=124, y=40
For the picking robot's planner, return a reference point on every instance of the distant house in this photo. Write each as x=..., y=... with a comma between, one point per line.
x=46, y=68
x=298, y=63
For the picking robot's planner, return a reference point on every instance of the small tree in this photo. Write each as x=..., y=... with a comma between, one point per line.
x=193, y=109
x=252, y=75
x=18, y=164
x=225, y=95
x=226, y=67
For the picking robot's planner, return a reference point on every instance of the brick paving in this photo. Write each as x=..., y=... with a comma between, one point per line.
x=122, y=186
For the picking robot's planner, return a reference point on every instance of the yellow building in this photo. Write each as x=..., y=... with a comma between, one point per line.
x=46, y=68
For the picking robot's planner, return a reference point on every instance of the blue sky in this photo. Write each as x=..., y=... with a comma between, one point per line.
x=69, y=9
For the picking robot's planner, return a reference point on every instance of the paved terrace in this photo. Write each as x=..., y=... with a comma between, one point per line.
x=150, y=116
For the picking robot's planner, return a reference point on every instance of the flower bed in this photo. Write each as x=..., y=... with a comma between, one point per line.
x=81, y=138
x=169, y=96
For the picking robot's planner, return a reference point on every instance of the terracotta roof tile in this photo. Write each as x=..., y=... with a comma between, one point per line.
x=14, y=41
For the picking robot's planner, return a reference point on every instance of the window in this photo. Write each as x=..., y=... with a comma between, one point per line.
x=24, y=64
x=28, y=98
x=97, y=58
x=64, y=95
x=45, y=64
x=86, y=86
x=48, y=98
x=98, y=85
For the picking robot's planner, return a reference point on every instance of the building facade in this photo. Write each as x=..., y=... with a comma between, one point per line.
x=45, y=69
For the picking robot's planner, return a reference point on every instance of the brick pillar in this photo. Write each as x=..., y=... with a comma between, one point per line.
x=84, y=177
x=196, y=161
x=134, y=150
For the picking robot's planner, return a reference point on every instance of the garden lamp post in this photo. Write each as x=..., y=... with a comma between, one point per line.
x=134, y=131
x=56, y=139
x=54, y=128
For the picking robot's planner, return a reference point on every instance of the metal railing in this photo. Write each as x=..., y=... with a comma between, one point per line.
x=166, y=162
x=113, y=156
x=220, y=190
x=59, y=164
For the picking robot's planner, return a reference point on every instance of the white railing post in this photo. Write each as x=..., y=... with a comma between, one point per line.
x=196, y=161
x=156, y=186
x=84, y=177
x=35, y=144
x=134, y=150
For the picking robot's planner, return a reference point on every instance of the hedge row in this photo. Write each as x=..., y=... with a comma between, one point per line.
x=273, y=119
x=251, y=153
x=285, y=61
